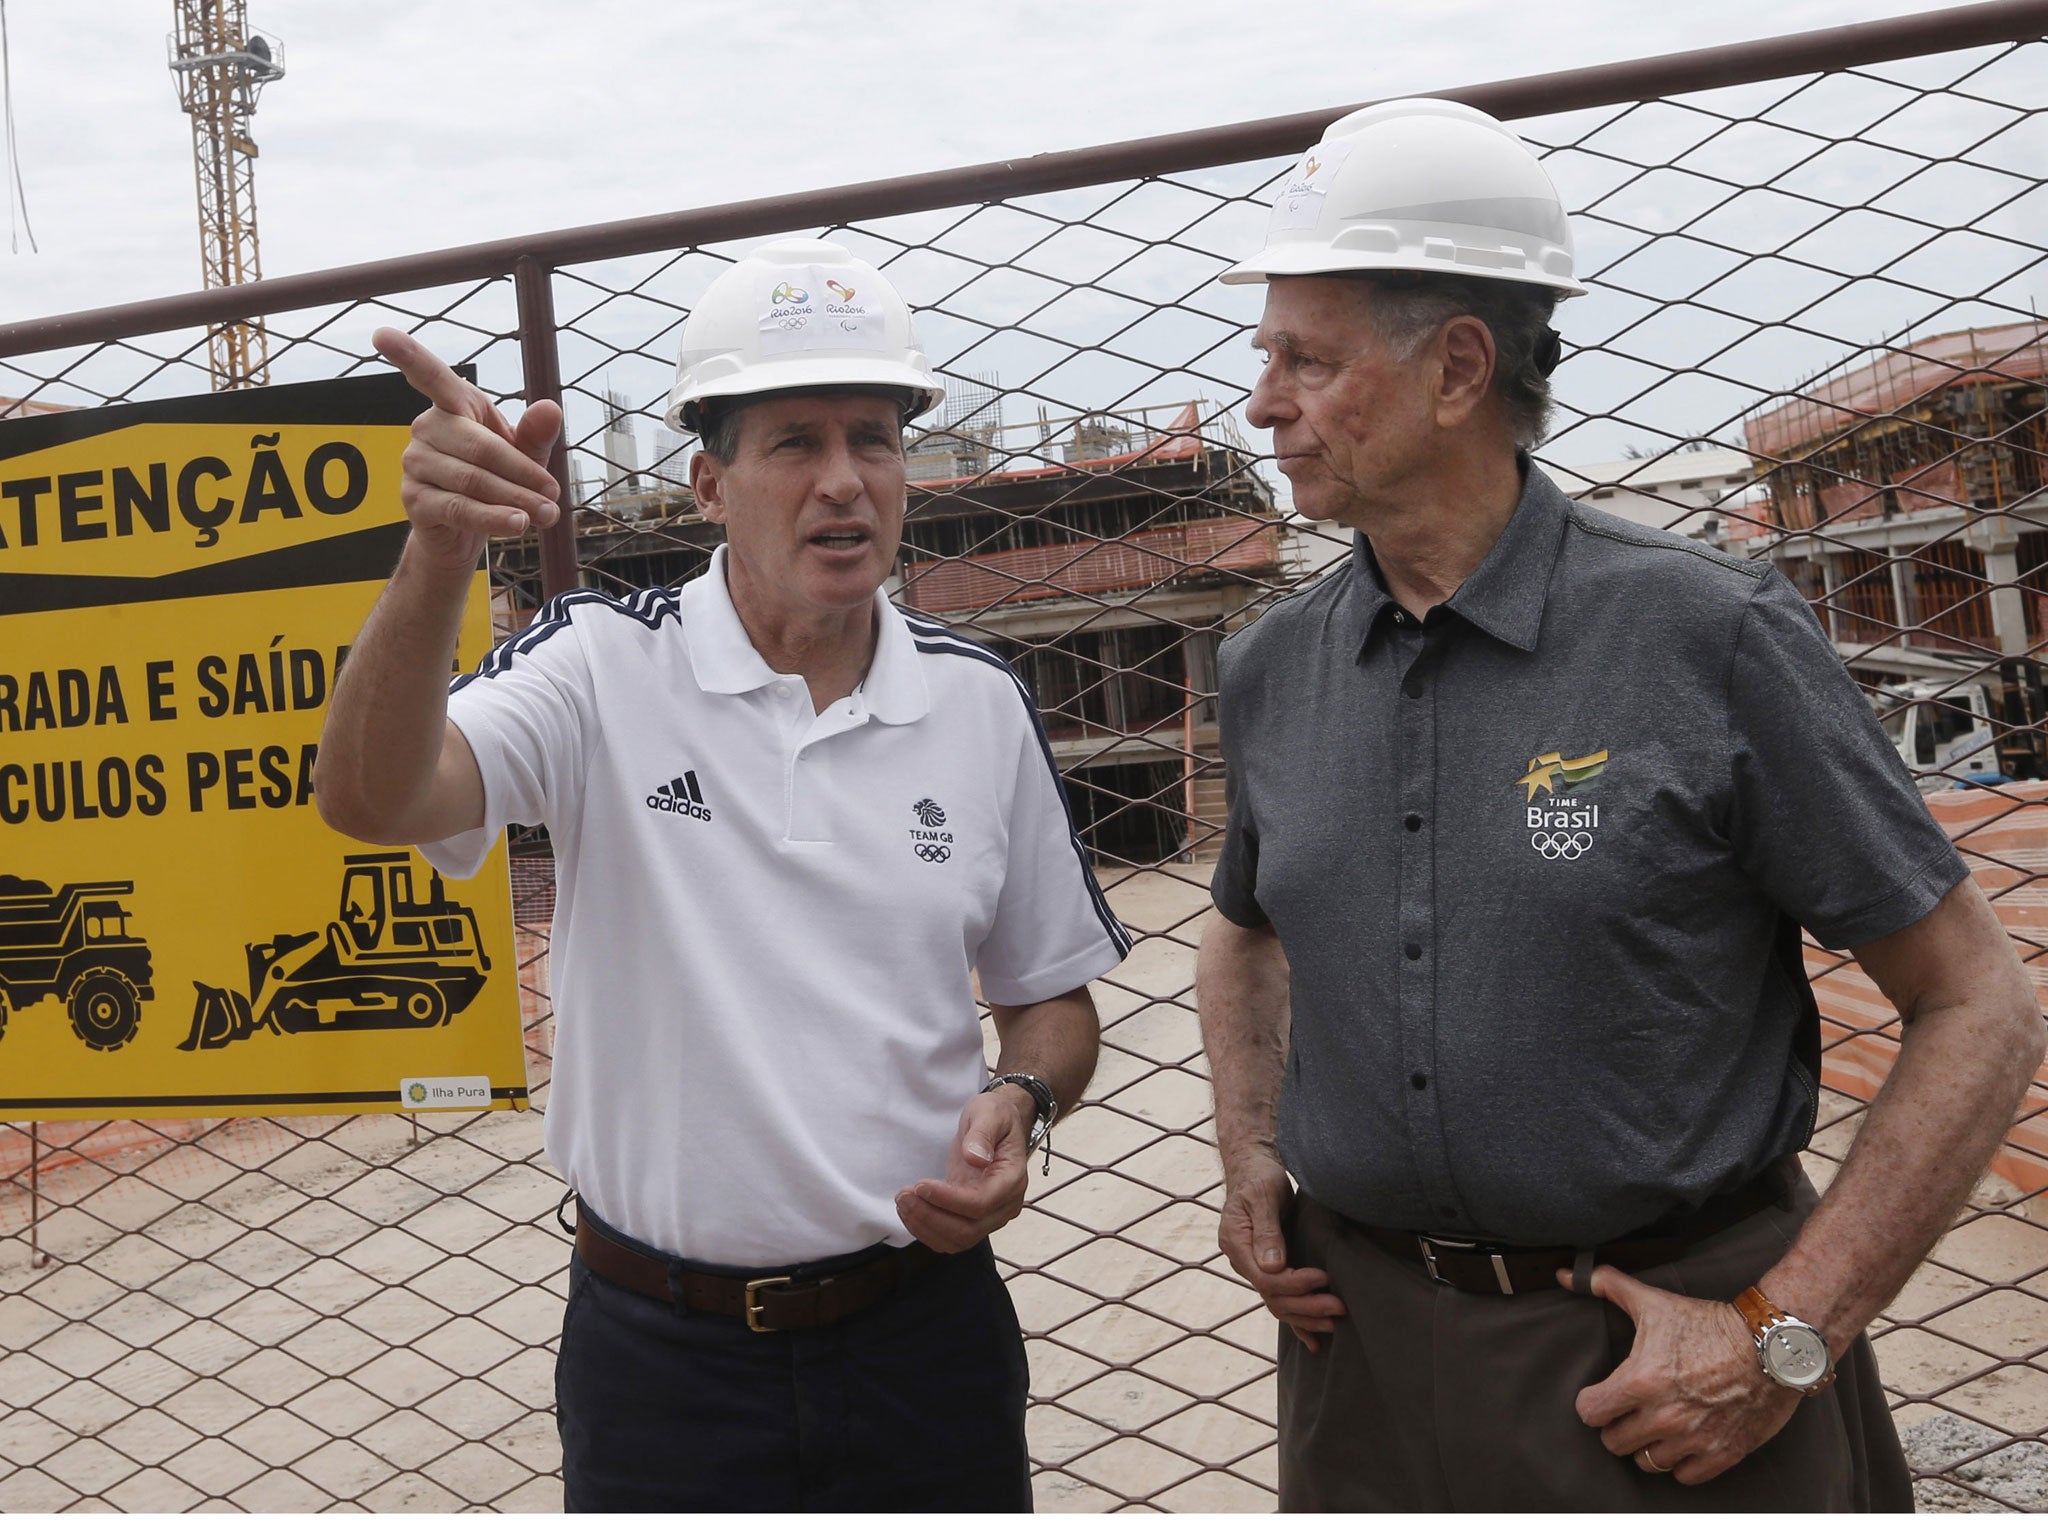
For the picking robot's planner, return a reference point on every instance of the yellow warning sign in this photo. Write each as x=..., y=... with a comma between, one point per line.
x=180, y=934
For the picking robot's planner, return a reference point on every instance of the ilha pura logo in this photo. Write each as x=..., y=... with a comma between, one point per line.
x=417, y=1093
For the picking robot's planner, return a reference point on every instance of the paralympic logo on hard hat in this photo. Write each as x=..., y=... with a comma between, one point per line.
x=845, y=293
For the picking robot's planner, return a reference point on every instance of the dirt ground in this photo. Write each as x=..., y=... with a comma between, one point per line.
x=284, y=1316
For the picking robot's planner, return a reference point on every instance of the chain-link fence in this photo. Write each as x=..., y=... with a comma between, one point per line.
x=1812, y=338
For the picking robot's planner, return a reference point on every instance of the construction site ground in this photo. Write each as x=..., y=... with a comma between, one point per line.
x=368, y=1320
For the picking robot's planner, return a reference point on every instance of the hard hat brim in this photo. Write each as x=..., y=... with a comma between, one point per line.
x=1317, y=260
x=794, y=375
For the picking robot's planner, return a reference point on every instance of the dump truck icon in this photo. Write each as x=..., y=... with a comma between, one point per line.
x=74, y=943
x=388, y=961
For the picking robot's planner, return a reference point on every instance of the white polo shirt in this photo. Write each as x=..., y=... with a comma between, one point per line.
x=766, y=918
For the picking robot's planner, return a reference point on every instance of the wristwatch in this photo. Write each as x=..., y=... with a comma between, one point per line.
x=1792, y=1352
x=1045, y=1107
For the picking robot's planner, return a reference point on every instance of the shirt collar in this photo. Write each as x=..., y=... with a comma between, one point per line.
x=723, y=658
x=1505, y=595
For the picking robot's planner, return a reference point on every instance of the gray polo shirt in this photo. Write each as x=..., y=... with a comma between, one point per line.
x=1539, y=866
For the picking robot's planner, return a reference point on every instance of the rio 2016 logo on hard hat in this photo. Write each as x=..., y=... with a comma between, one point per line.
x=791, y=322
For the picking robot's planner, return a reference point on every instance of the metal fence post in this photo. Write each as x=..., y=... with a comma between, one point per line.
x=36, y=1257
x=533, y=282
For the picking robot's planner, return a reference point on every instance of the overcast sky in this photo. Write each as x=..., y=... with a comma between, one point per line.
x=406, y=125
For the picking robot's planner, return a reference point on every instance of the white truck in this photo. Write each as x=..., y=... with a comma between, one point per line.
x=1983, y=731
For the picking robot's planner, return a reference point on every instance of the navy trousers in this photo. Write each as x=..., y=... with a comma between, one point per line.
x=916, y=1403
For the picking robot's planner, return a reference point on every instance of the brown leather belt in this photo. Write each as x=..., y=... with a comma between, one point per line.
x=1487, y=1269
x=766, y=1303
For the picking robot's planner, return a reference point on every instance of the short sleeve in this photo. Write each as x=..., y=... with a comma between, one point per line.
x=526, y=715
x=1824, y=816
x=1053, y=929
x=1235, y=882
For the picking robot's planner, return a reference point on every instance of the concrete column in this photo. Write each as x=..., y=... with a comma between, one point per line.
x=2008, y=603
x=1997, y=539
x=1830, y=583
x=1904, y=598
x=1199, y=666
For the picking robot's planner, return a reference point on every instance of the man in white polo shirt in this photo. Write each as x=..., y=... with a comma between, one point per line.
x=793, y=826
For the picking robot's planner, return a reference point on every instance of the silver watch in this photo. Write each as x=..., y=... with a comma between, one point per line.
x=1792, y=1352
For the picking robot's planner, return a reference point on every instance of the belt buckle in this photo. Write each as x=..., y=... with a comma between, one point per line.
x=1429, y=1246
x=754, y=1306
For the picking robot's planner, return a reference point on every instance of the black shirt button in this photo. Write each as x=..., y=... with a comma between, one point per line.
x=1414, y=951
x=1400, y=617
x=1420, y=1080
x=1412, y=822
x=1413, y=687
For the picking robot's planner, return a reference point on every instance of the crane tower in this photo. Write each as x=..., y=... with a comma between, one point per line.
x=221, y=68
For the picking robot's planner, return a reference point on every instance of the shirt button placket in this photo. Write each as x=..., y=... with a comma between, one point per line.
x=1415, y=716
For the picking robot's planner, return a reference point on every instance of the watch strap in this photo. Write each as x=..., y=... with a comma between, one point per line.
x=1759, y=1311
x=1762, y=1314
x=1045, y=1107
x=1040, y=1090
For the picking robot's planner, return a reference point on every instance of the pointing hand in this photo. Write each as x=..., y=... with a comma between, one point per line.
x=469, y=475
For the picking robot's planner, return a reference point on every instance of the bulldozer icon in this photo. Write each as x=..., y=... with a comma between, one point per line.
x=74, y=943
x=387, y=961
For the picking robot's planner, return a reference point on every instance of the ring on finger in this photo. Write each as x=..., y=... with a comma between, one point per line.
x=1651, y=1464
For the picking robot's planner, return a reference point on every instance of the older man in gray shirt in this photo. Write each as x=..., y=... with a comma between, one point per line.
x=1529, y=806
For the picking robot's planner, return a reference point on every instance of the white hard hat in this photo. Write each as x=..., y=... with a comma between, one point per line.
x=1418, y=186
x=793, y=315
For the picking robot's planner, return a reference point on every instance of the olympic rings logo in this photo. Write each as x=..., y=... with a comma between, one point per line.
x=1560, y=845
x=934, y=853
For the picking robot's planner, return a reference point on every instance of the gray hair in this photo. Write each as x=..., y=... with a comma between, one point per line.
x=1409, y=307
x=721, y=435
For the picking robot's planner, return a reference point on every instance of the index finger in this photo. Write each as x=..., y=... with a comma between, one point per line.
x=1293, y=1282
x=961, y=1199
x=1607, y=1399
x=424, y=371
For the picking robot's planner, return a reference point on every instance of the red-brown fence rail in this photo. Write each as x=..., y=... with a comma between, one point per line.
x=1817, y=267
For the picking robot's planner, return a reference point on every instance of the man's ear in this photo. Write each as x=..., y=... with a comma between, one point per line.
x=1466, y=359
x=707, y=484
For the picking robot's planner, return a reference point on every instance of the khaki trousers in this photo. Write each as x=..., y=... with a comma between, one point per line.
x=1427, y=1398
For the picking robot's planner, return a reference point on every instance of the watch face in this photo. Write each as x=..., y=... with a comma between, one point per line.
x=1795, y=1354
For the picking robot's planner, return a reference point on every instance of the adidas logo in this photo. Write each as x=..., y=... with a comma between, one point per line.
x=682, y=796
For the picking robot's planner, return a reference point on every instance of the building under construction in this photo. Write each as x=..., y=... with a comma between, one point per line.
x=1104, y=555
x=1912, y=490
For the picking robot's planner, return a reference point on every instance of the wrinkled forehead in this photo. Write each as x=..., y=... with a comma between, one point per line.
x=845, y=403
x=1304, y=313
